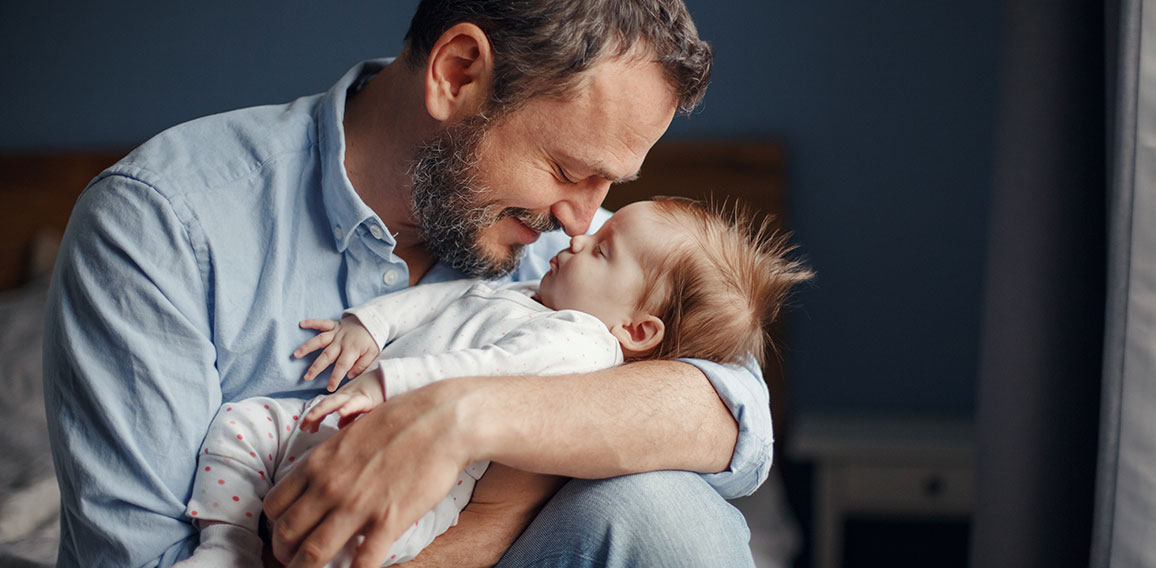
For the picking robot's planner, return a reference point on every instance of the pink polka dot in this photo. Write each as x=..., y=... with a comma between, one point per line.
x=262, y=474
x=392, y=557
x=288, y=429
x=270, y=457
x=220, y=482
x=229, y=409
x=291, y=458
x=236, y=499
x=232, y=422
x=295, y=417
x=459, y=482
x=194, y=513
x=239, y=437
x=248, y=514
x=207, y=468
x=269, y=418
x=266, y=407
x=252, y=454
x=270, y=435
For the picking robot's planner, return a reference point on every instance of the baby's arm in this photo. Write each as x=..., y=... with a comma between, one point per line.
x=564, y=342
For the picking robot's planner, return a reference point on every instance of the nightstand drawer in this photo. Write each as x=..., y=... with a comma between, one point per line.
x=911, y=489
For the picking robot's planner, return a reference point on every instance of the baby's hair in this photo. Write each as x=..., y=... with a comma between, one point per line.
x=719, y=291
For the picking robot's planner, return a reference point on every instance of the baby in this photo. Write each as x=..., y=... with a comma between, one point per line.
x=661, y=279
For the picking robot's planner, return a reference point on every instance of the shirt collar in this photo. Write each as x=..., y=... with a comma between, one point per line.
x=345, y=209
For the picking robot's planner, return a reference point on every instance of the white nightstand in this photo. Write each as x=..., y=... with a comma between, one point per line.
x=917, y=466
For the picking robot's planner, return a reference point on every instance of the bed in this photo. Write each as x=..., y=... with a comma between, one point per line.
x=38, y=191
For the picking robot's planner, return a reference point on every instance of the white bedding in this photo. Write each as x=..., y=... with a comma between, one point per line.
x=29, y=510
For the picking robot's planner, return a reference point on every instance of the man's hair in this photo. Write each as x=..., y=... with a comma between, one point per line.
x=720, y=291
x=542, y=47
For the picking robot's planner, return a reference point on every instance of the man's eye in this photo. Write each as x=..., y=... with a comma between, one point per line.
x=562, y=174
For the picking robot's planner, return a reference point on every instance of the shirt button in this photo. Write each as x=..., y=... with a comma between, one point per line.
x=376, y=231
x=337, y=232
x=390, y=278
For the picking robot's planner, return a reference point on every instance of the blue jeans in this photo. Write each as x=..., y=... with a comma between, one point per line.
x=663, y=518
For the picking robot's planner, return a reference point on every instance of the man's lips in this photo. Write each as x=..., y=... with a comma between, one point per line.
x=526, y=235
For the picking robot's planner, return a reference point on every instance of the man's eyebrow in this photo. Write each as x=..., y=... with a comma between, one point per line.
x=602, y=173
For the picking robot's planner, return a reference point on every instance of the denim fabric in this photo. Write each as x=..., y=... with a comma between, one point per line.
x=179, y=284
x=660, y=519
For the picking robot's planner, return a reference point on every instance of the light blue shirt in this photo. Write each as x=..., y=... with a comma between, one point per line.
x=182, y=276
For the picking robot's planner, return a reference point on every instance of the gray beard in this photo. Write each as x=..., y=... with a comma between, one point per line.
x=451, y=204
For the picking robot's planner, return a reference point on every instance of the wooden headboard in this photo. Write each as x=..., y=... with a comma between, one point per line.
x=38, y=192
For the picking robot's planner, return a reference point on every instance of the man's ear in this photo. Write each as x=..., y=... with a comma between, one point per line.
x=641, y=336
x=457, y=78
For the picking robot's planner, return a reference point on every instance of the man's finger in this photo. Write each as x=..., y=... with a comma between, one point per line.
x=373, y=550
x=284, y=494
x=325, y=541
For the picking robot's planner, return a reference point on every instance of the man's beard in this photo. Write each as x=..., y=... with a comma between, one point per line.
x=452, y=206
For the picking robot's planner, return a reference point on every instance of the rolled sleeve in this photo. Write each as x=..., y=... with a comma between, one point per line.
x=745, y=394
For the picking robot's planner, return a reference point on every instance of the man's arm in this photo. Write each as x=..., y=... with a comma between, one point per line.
x=640, y=417
x=504, y=502
x=129, y=377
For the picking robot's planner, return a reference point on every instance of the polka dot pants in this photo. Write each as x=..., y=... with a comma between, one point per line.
x=254, y=442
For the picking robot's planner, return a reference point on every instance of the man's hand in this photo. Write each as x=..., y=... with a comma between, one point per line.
x=375, y=478
x=348, y=346
x=379, y=475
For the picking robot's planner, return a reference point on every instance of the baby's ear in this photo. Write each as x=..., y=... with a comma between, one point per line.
x=641, y=336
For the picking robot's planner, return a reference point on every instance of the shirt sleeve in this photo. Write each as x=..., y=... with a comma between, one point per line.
x=129, y=376
x=561, y=343
x=743, y=391
x=395, y=314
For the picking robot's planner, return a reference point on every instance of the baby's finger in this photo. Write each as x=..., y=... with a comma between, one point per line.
x=316, y=342
x=363, y=362
x=353, y=407
x=317, y=414
x=322, y=362
x=321, y=324
x=340, y=368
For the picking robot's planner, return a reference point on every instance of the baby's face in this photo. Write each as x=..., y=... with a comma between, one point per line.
x=602, y=274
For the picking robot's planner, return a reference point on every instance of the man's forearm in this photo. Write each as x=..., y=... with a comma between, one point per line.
x=504, y=503
x=640, y=417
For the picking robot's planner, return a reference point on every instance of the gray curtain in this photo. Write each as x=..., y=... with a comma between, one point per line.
x=1125, y=516
x=1043, y=322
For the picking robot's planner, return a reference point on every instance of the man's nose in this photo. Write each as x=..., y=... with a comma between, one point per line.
x=576, y=212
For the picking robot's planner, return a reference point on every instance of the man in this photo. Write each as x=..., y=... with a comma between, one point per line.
x=186, y=266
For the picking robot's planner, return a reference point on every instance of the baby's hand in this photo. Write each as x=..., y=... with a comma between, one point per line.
x=348, y=346
x=354, y=399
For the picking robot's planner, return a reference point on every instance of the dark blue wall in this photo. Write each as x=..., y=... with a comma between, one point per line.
x=886, y=108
